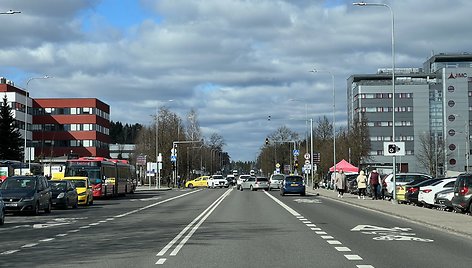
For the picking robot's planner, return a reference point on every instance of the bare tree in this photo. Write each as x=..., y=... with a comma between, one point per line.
x=193, y=126
x=431, y=153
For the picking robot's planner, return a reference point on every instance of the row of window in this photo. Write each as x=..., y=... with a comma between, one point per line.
x=71, y=111
x=386, y=109
x=71, y=127
x=70, y=143
x=389, y=124
x=381, y=152
x=383, y=96
x=389, y=138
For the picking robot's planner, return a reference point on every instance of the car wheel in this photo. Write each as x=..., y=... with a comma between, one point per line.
x=282, y=193
x=76, y=205
x=91, y=201
x=190, y=185
x=36, y=209
x=2, y=219
x=268, y=189
x=48, y=208
x=252, y=189
x=302, y=193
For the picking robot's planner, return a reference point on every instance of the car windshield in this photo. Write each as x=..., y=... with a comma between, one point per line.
x=278, y=177
x=294, y=179
x=18, y=183
x=262, y=179
x=78, y=183
x=217, y=177
x=58, y=185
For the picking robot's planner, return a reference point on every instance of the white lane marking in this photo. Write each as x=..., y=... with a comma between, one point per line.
x=9, y=252
x=46, y=240
x=84, y=227
x=342, y=249
x=186, y=238
x=311, y=225
x=161, y=261
x=364, y=266
x=110, y=219
x=302, y=219
x=172, y=242
x=298, y=217
x=316, y=229
x=327, y=237
x=334, y=242
x=289, y=209
x=102, y=221
x=74, y=231
x=306, y=222
x=320, y=232
x=61, y=235
x=94, y=224
x=30, y=245
x=353, y=257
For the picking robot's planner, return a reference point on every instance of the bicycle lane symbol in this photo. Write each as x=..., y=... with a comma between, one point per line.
x=389, y=234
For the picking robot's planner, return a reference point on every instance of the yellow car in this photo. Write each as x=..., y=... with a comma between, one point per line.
x=83, y=188
x=198, y=182
x=400, y=193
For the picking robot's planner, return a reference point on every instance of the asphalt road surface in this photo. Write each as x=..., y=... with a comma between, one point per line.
x=225, y=228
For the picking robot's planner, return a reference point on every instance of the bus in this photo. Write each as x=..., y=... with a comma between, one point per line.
x=14, y=167
x=108, y=177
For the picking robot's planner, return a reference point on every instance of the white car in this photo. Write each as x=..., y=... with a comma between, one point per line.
x=427, y=193
x=241, y=179
x=402, y=179
x=275, y=181
x=217, y=181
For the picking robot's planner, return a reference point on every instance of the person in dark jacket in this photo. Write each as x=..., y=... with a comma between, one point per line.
x=374, y=181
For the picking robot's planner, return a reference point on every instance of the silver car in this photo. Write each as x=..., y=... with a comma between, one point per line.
x=255, y=183
x=275, y=181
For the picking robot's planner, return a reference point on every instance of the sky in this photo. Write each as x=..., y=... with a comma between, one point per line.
x=235, y=62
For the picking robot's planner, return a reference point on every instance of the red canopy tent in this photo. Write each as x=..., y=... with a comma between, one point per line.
x=345, y=166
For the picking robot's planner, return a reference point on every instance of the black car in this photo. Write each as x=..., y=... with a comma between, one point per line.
x=64, y=194
x=462, y=200
x=412, y=190
x=26, y=194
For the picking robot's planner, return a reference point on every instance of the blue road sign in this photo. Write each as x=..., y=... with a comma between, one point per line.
x=296, y=152
x=173, y=158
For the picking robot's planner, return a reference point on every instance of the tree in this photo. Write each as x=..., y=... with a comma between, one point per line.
x=431, y=154
x=10, y=141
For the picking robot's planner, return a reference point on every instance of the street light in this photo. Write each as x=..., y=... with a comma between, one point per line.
x=10, y=12
x=158, y=183
x=394, y=164
x=334, y=115
x=26, y=116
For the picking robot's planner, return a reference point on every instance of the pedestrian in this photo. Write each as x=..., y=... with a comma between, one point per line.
x=374, y=184
x=361, y=184
x=341, y=183
x=168, y=181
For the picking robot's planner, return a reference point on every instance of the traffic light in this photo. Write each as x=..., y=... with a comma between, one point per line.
x=267, y=141
x=296, y=163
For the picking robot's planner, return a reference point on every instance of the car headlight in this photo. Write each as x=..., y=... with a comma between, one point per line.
x=61, y=195
x=28, y=198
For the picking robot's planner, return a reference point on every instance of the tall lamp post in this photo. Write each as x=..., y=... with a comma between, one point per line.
x=334, y=115
x=27, y=156
x=394, y=164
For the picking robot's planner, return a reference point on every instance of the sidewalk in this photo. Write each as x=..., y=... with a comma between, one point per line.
x=152, y=188
x=455, y=223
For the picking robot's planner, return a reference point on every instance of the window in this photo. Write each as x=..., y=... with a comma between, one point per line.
x=451, y=118
x=452, y=147
x=452, y=161
x=451, y=103
x=452, y=132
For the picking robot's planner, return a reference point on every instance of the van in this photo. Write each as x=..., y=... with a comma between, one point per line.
x=462, y=199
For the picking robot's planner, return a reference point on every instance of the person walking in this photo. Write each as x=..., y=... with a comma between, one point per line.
x=341, y=183
x=361, y=184
x=374, y=184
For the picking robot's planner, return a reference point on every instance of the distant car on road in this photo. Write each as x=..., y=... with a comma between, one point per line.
x=241, y=179
x=26, y=194
x=293, y=185
x=83, y=187
x=255, y=183
x=64, y=194
x=201, y=181
x=217, y=181
x=275, y=181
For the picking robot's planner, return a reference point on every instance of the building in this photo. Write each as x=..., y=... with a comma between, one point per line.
x=432, y=113
x=63, y=126
x=122, y=151
x=58, y=127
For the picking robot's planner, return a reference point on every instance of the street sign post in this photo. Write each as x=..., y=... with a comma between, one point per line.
x=394, y=148
x=296, y=152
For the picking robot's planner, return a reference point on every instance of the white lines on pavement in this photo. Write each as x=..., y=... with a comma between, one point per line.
x=61, y=235
x=192, y=226
x=47, y=239
x=102, y=221
x=353, y=257
x=329, y=239
x=94, y=224
x=73, y=231
x=30, y=245
x=110, y=219
x=9, y=252
x=161, y=261
x=84, y=227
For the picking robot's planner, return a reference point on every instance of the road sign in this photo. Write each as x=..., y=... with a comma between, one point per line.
x=307, y=166
x=296, y=152
x=173, y=151
x=141, y=160
x=306, y=156
x=316, y=157
x=394, y=148
x=277, y=165
x=307, y=162
x=173, y=158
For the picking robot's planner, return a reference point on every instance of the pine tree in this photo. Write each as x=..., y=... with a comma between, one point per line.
x=10, y=137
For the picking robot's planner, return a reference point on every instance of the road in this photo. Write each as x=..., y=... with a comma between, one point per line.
x=225, y=228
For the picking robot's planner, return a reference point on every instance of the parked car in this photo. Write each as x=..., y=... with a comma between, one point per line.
x=26, y=194
x=275, y=181
x=64, y=194
x=83, y=187
x=412, y=190
x=462, y=200
x=201, y=181
x=2, y=210
x=217, y=181
x=255, y=183
x=293, y=185
x=240, y=180
x=443, y=199
x=427, y=194
x=401, y=179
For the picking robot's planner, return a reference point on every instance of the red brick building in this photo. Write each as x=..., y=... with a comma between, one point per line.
x=63, y=126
